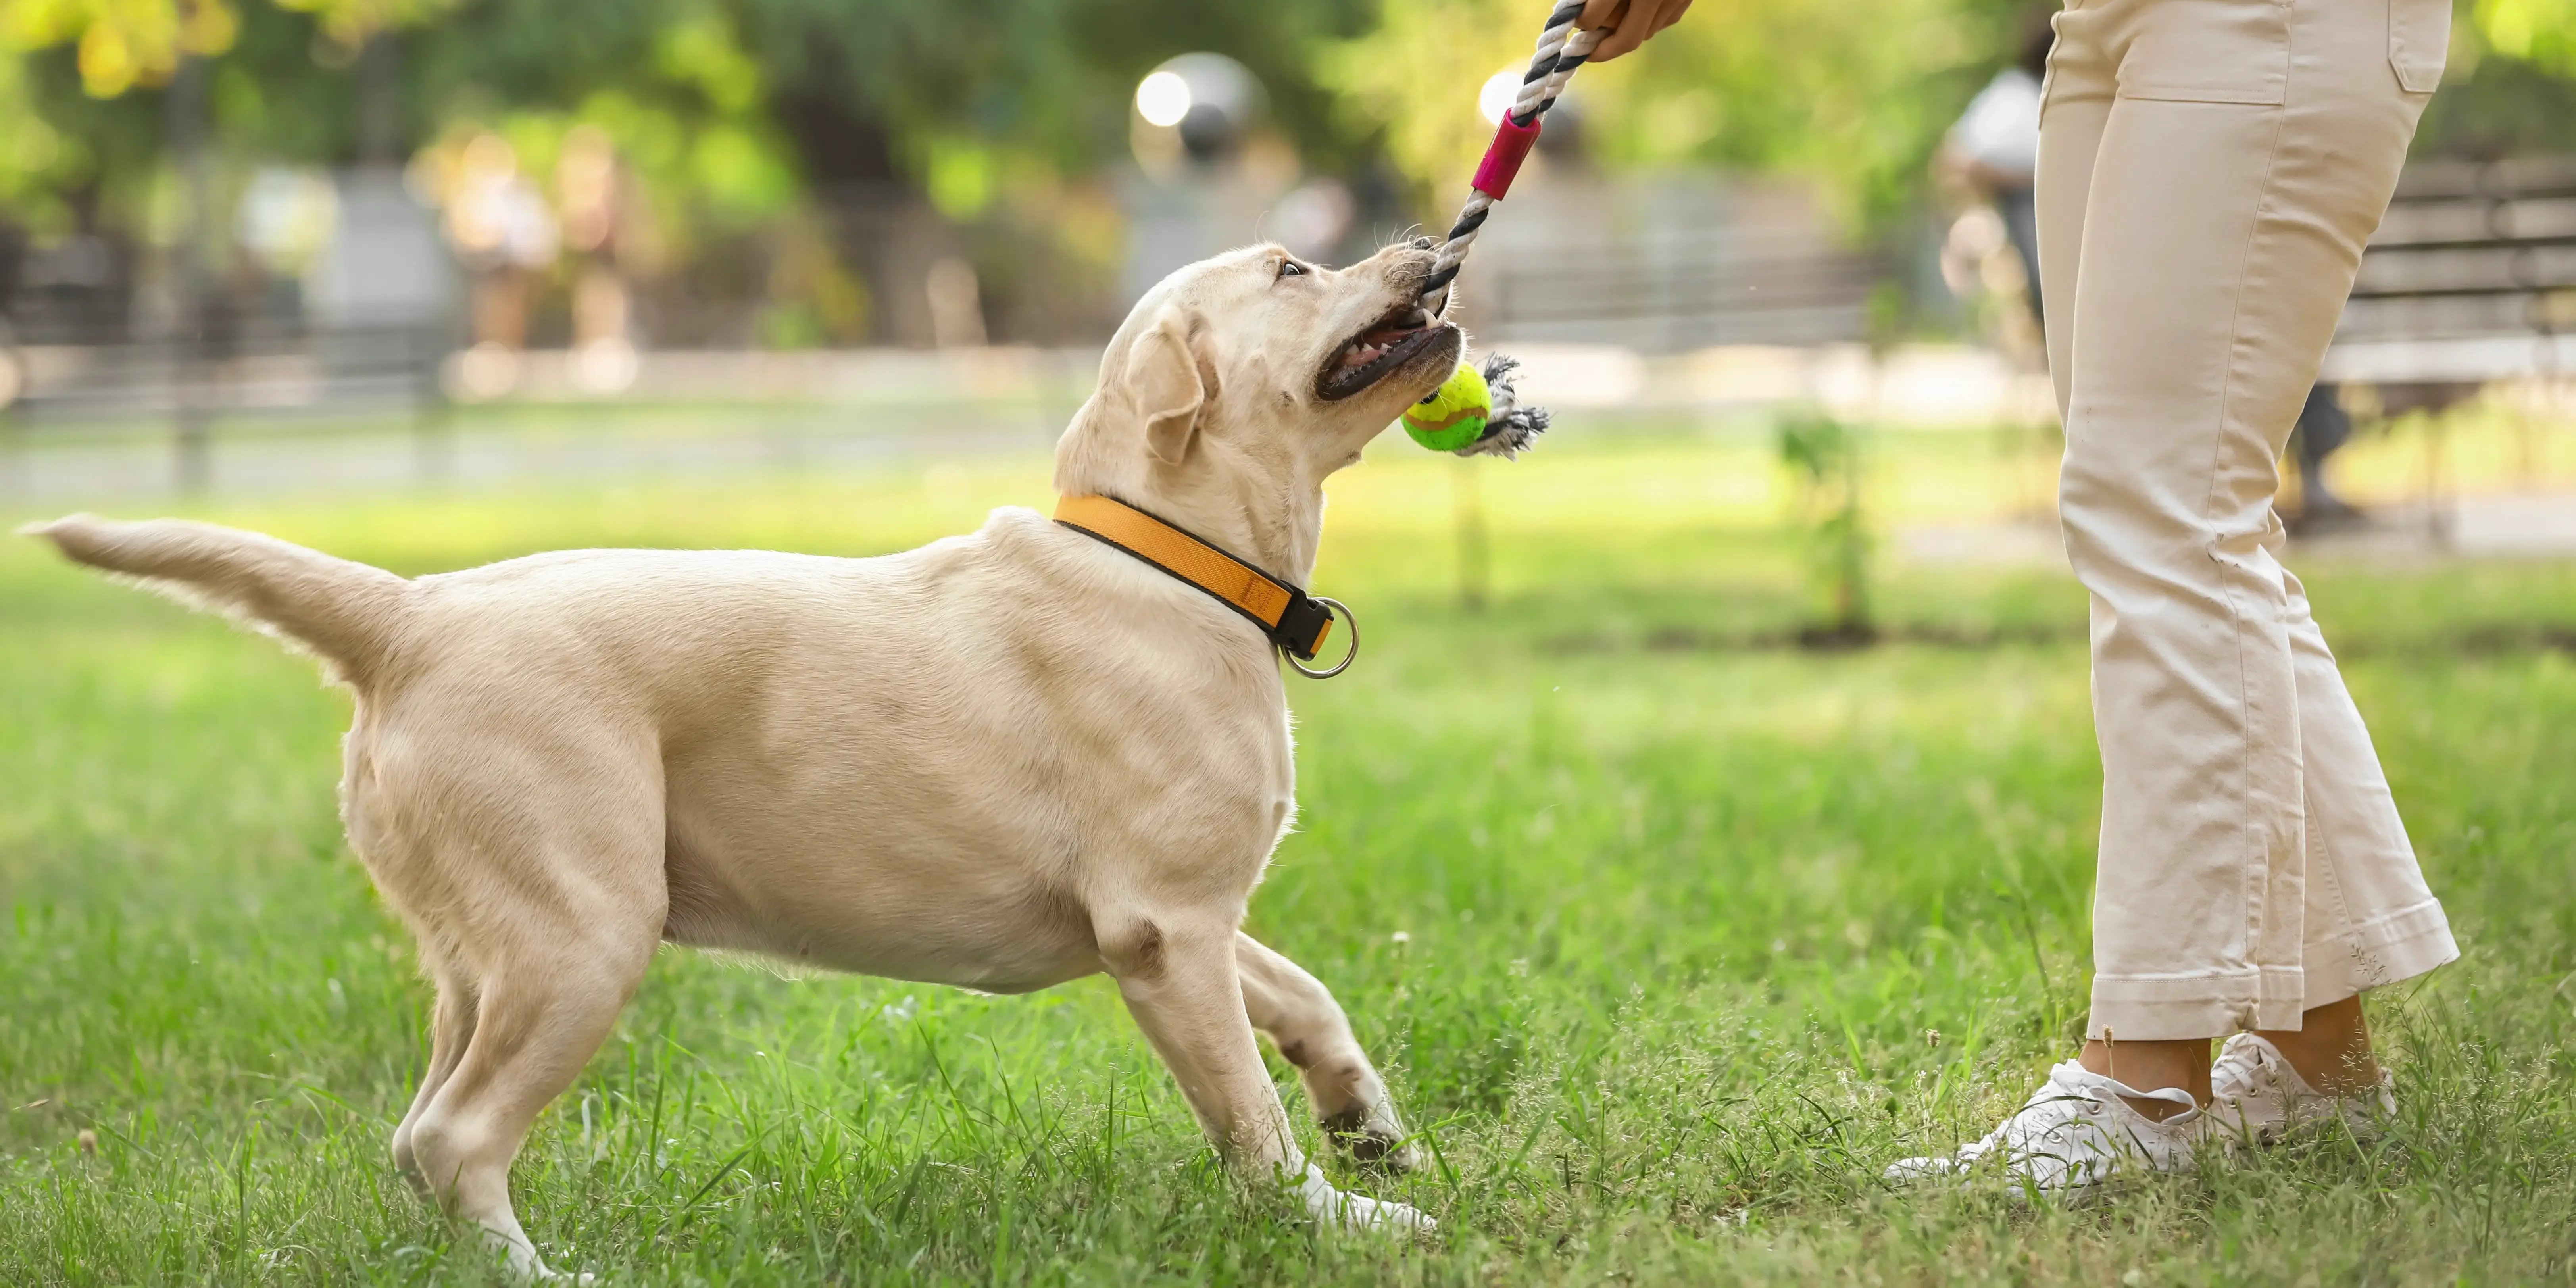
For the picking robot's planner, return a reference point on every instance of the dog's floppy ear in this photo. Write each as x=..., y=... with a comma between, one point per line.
x=1164, y=387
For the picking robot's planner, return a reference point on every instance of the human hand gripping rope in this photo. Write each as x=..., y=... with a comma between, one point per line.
x=1478, y=412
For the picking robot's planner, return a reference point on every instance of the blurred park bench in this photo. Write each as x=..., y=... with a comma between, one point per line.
x=2470, y=281
x=2471, y=278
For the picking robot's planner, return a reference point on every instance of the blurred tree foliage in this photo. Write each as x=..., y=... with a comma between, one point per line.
x=2510, y=88
x=118, y=44
x=669, y=84
x=1855, y=92
x=738, y=100
x=873, y=89
x=83, y=132
x=735, y=112
x=747, y=131
x=2542, y=32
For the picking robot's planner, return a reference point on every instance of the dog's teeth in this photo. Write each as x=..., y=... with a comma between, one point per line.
x=1363, y=351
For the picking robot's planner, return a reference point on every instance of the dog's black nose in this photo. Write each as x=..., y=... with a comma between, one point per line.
x=1424, y=243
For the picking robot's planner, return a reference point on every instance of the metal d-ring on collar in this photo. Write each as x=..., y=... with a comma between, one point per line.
x=1338, y=609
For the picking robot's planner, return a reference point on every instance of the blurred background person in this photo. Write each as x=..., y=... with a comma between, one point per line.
x=1992, y=152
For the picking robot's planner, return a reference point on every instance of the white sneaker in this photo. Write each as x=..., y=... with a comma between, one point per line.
x=2074, y=1132
x=2258, y=1098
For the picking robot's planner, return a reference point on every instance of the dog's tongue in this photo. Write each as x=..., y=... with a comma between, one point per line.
x=1373, y=344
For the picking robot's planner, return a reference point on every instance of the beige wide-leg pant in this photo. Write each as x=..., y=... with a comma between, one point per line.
x=2208, y=173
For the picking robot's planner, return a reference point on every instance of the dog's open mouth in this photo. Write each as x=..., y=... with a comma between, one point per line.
x=1374, y=354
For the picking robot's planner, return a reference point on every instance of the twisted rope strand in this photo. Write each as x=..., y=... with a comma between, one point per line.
x=1562, y=49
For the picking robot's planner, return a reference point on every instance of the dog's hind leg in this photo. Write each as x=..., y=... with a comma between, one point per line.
x=451, y=1027
x=1344, y=1089
x=540, y=1016
x=550, y=891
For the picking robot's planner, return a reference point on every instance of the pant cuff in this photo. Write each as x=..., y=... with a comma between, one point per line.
x=2169, y=1008
x=2392, y=949
x=2173, y=1008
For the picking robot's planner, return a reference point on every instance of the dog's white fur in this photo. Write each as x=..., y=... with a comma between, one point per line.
x=1001, y=761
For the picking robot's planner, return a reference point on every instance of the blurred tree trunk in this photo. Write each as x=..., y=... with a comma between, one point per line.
x=380, y=126
x=883, y=225
x=184, y=105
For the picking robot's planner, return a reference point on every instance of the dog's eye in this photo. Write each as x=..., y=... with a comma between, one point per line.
x=1291, y=268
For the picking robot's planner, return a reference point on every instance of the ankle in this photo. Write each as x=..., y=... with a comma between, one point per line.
x=2330, y=1049
x=2332, y=1068
x=2153, y=1066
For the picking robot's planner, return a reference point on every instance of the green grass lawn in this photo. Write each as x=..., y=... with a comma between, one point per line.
x=1668, y=937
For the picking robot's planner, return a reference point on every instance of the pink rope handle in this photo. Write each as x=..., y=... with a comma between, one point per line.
x=1503, y=157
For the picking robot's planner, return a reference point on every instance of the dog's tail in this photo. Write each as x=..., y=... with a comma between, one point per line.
x=347, y=613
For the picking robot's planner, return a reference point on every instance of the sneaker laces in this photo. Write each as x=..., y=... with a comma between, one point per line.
x=2241, y=1068
x=2256, y=1092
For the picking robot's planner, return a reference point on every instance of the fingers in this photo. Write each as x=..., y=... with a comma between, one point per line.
x=1631, y=23
x=1602, y=13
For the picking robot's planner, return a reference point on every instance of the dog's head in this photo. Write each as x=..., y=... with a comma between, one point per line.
x=1238, y=383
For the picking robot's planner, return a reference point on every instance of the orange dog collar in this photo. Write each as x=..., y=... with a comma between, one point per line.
x=1294, y=620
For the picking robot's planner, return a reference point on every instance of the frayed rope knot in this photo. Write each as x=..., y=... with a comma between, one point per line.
x=1509, y=427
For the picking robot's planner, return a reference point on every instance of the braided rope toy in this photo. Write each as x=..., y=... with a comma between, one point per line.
x=1478, y=412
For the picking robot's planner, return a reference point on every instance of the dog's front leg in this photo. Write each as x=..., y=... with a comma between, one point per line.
x=1179, y=978
x=1348, y=1096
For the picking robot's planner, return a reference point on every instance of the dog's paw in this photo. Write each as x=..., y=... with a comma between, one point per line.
x=1381, y=1145
x=520, y=1264
x=538, y=1272
x=1344, y=1210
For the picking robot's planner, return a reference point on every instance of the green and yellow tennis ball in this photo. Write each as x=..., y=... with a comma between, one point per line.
x=1455, y=413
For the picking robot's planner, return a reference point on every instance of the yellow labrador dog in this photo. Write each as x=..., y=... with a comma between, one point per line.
x=1001, y=761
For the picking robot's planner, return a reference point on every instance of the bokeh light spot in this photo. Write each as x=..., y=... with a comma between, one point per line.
x=1496, y=97
x=1163, y=99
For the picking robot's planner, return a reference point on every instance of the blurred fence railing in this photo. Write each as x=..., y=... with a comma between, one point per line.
x=1667, y=264
x=376, y=368
x=1660, y=295
x=980, y=374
